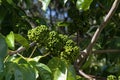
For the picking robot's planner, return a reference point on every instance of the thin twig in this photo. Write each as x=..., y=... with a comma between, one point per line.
x=21, y=49
x=90, y=77
x=33, y=51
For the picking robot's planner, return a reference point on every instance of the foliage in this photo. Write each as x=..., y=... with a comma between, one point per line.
x=60, y=29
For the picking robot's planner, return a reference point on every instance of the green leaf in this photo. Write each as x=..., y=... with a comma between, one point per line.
x=44, y=71
x=0, y=2
x=20, y=39
x=10, y=40
x=16, y=71
x=45, y=4
x=3, y=47
x=88, y=62
x=58, y=75
x=71, y=73
x=9, y=71
x=36, y=59
x=28, y=3
x=28, y=72
x=13, y=69
x=111, y=77
x=2, y=13
x=11, y=2
x=1, y=65
x=83, y=4
x=62, y=24
x=60, y=70
x=20, y=60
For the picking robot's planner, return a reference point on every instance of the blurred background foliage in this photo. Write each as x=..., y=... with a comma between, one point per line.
x=76, y=18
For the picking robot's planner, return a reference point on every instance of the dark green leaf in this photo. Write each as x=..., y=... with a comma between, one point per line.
x=9, y=70
x=11, y=2
x=20, y=39
x=1, y=65
x=83, y=4
x=28, y=72
x=3, y=47
x=10, y=40
x=2, y=13
x=16, y=71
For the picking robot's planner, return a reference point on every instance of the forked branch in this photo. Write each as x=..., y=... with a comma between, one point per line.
x=21, y=49
x=102, y=26
x=85, y=53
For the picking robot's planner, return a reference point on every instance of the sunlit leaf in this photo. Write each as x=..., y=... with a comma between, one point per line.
x=20, y=39
x=0, y=1
x=71, y=75
x=10, y=1
x=63, y=24
x=36, y=59
x=111, y=77
x=45, y=4
x=10, y=40
x=60, y=70
x=20, y=60
x=58, y=75
x=65, y=1
x=83, y=4
x=44, y=71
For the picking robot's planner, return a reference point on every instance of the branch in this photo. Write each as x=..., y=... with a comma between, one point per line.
x=85, y=75
x=106, y=51
x=90, y=77
x=102, y=26
x=84, y=54
x=21, y=49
